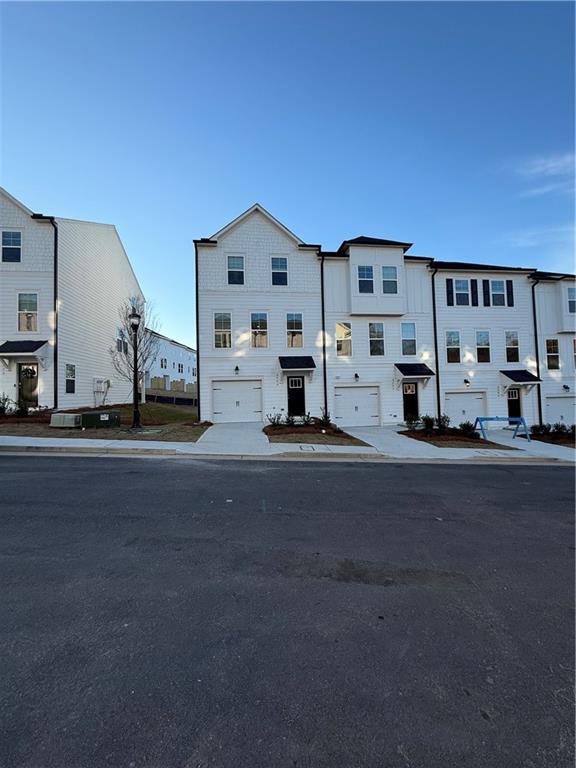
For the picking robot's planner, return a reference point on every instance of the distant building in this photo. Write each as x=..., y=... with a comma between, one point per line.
x=62, y=283
x=174, y=369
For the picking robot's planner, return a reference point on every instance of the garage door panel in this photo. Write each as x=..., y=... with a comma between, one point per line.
x=560, y=409
x=356, y=406
x=464, y=406
x=237, y=401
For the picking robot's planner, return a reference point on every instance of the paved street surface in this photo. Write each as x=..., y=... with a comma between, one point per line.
x=167, y=613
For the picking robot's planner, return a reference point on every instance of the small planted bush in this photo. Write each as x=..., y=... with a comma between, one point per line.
x=546, y=429
x=289, y=420
x=442, y=423
x=412, y=422
x=467, y=428
x=5, y=404
x=274, y=418
x=428, y=424
x=325, y=419
x=536, y=430
x=307, y=419
x=559, y=429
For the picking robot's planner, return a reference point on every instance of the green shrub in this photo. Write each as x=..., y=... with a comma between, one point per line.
x=467, y=428
x=537, y=429
x=274, y=418
x=428, y=424
x=289, y=420
x=307, y=419
x=324, y=420
x=412, y=422
x=546, y=429
x=5, y=403
x=442, y=423
x=559, y=429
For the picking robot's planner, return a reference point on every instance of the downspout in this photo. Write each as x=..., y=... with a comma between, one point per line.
x=434, y=322
x=324, y=374
x=537, y=350
x=197, y=331
x=52, y=221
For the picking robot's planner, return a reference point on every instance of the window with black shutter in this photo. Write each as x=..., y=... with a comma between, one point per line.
x=474, y=292
x=450, y=292
x=486, y=292
x=510, y=293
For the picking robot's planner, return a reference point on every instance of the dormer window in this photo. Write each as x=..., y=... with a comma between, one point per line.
x=462, y=290
x=11, y=246
x=389, y=280
x=365, y=279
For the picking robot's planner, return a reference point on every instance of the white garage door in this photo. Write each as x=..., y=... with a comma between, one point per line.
x=561, y=409
x=237, y=401
x=464, y=406
x=356, y=406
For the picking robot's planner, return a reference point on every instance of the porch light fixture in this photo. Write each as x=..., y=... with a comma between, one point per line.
x=236, y=370
x=466, y=382
x=134, y=319
x=356, y=377
x=565, y=387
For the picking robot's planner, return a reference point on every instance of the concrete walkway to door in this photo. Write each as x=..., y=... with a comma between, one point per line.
x=244, y=438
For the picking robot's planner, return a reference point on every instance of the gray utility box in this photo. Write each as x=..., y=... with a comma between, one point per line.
x=100, y=419
x=65, y=420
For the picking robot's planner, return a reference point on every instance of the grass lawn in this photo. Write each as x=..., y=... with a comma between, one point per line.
x=454, y=441
x=161, y=422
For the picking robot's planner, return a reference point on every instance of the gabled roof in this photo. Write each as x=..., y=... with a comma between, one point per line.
x=16, y=202
x=172, y=341
x=256, y=208
x=363, y=240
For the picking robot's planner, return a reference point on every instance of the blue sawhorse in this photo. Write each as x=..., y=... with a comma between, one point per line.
x=518, y=420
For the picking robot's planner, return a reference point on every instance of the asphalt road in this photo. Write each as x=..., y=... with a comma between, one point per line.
x=186, y=614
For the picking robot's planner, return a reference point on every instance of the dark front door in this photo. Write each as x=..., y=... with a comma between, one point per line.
x=514, y=406
x=410, y=394
x=296, y=399
x=28, y=385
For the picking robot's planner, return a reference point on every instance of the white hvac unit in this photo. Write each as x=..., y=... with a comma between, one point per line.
x=67, y=420
x=101, y=386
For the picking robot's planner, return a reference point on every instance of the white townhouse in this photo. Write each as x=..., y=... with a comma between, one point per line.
x=62, y=283
x=174, y=367
x=373, y=334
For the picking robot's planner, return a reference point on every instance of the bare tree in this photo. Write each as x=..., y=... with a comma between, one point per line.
x=122, y=352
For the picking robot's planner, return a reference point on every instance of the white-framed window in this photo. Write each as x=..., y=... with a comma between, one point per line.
x=552, y=355
x=389, y=280
x=121, y=341
x=453, y=346
x=279, y=270
x=571, y=299
x=222, y=330
x=11, y=245
x=343, y=340
x=498, y=289
x=462, y=291
x=408, y=331
x=27, y=311
x=235, y=270
x=483, y=346
x=512, y=347
x=180, y=368
x=70, y=379
x=365, y=279
x=294, y=330
x=376, y=339
x=259, y=330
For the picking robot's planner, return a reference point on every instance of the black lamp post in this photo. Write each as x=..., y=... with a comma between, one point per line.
x=134, y=319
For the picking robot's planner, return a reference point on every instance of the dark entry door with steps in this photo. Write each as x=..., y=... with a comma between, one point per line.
x=410, y=397
x=296, y=396
x=28, y=385
x=514, y=404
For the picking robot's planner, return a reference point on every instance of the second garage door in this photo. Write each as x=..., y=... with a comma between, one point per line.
x=560, y=409
x=237, y=401
x=356, y=406
x=464, y=406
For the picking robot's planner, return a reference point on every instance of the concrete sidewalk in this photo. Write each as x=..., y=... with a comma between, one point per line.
x=248, y=440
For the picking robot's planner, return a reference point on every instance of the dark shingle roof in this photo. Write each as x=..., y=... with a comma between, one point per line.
x=21, y=347
x=471, y=267
x=521, y=376
x=363, y=240
x=414, y=369
x=297, y=363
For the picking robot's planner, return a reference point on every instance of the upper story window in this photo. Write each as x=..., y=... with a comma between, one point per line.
x=408, y=338
x=235, y=270
x=279, y=270
x=512, y=347
x=552, y=355
x=483, y=346
x=389, y=280
x=343, y=340
x=571, y=299
x=27, y=311
x=259, y=329
x=498, y=289
x=70, y=379
x=453, y=346
x=11, y=246
x=163, y=362
x=222, y=330
x=574, y=350
x=462, y=291
x=180, y=368
x=376, y=338
x=294, y=334
x=365, y=279
x=121, y=342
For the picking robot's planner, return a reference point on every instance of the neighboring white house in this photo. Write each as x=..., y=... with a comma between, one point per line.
x=174, y=367
x=373, y=334
x=62, y=283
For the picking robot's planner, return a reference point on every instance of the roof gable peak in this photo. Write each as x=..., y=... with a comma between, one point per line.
x=257, y=208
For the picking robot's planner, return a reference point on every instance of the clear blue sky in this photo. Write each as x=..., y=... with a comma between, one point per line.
x=449, y=125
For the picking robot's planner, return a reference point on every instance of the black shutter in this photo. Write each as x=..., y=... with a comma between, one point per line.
x=510, y=293
x=474, y=291
x=450, y=292
x=486, y=292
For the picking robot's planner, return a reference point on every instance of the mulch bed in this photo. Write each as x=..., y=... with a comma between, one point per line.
x=305, y=429
x=454, y=440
